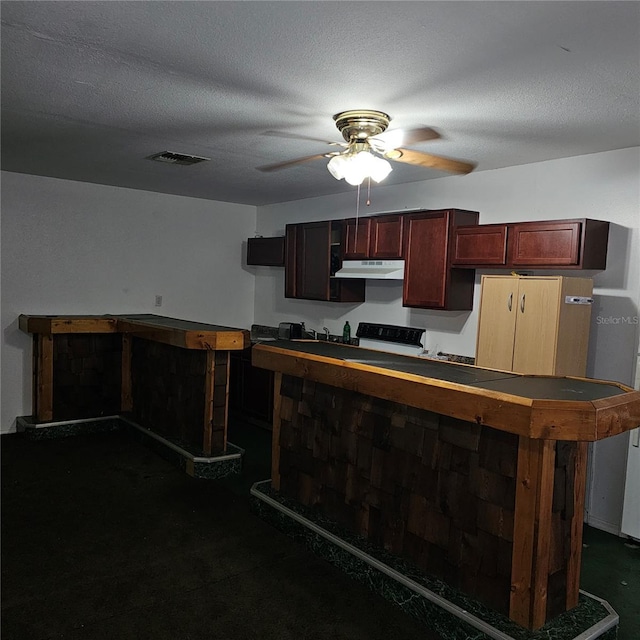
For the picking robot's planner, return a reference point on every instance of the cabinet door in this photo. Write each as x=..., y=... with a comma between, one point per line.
x=545, y=243
x=386, y=237
x=429, y=280
x=356, y=238
x=425, y=268
x=480, y=245
x=290, y=255
x=497, y=322
x=313, y=260
x=313, y=254
x=267, y=252
x=537, y=311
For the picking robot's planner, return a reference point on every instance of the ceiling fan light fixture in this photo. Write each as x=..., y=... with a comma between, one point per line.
x=336, y=166
x=355, y=168
x=379, y=169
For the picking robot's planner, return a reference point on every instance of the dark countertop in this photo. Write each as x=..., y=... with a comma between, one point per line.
x=539, y=407
x=174, y=331
x=532, y=387
x=174, y=323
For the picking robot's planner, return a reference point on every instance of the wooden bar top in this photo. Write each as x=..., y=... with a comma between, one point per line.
x=173, y=331
x=540, y=407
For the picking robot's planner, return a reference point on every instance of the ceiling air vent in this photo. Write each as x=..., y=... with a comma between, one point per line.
x=170, y=157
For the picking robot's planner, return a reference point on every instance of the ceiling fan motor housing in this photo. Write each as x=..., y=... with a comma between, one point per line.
x=361, y=124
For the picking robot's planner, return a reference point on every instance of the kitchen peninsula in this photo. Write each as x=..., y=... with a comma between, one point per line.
x=475, y=476
x=168, y=376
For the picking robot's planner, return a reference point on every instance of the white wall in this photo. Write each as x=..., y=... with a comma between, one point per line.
x=70, y=247
x=78, y=248
x=604, y=186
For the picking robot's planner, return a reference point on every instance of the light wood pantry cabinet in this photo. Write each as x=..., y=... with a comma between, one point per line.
x=535, y=325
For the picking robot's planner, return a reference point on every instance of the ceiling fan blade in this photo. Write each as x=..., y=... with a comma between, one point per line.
x=393, y=138
x=431, y=161
x=295, y=136
x=291, y=163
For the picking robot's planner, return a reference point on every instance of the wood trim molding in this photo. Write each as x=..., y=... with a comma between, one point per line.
x=214, y=338
x=533, y=418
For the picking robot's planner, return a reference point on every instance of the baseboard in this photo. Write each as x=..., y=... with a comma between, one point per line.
x=192, y=463
x=603, y=525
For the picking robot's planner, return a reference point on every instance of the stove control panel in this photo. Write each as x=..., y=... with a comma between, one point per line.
x=390, y=333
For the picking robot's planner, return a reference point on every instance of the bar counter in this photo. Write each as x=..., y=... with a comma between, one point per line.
x=168, y=375
x=475, y=476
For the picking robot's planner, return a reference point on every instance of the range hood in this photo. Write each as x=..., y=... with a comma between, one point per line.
x=372, y=269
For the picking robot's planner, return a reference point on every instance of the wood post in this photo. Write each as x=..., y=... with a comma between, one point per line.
x=43, y=382
x=575, y=554
x=209, y=389
x=275, y=435
x=126, y=402
x=532, y=532
x=227, y=356
x=216, y=402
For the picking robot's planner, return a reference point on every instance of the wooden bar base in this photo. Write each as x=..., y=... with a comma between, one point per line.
x=476, y=476
x=171, y=375
x=489, y=512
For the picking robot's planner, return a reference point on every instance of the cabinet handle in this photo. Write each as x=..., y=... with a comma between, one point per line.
x=522, y=303
x=510, y=301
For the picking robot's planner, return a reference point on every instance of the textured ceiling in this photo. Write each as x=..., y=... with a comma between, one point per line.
x=91, y=89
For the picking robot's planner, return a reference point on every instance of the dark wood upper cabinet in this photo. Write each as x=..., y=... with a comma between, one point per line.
x=357, y=234
x=545, y=243
x=313, y=261
x=313, y=255
x=429, y=280
x=440, y=248
x=376, y=237
x=568, y=244
x=290, y=258
x=483, y=244
x=571, y=244
x=386, y=237
x=268, y=252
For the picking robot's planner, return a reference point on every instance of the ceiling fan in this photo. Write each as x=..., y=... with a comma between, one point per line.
x=369, y=145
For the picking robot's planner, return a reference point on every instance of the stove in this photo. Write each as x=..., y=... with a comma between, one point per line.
x=392, y=338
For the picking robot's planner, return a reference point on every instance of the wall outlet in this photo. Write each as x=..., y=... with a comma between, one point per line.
x=158, y=302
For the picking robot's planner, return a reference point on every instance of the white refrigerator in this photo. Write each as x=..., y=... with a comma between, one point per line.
x=631, y=507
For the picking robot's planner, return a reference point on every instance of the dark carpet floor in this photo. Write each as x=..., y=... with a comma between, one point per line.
x=101, y=538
